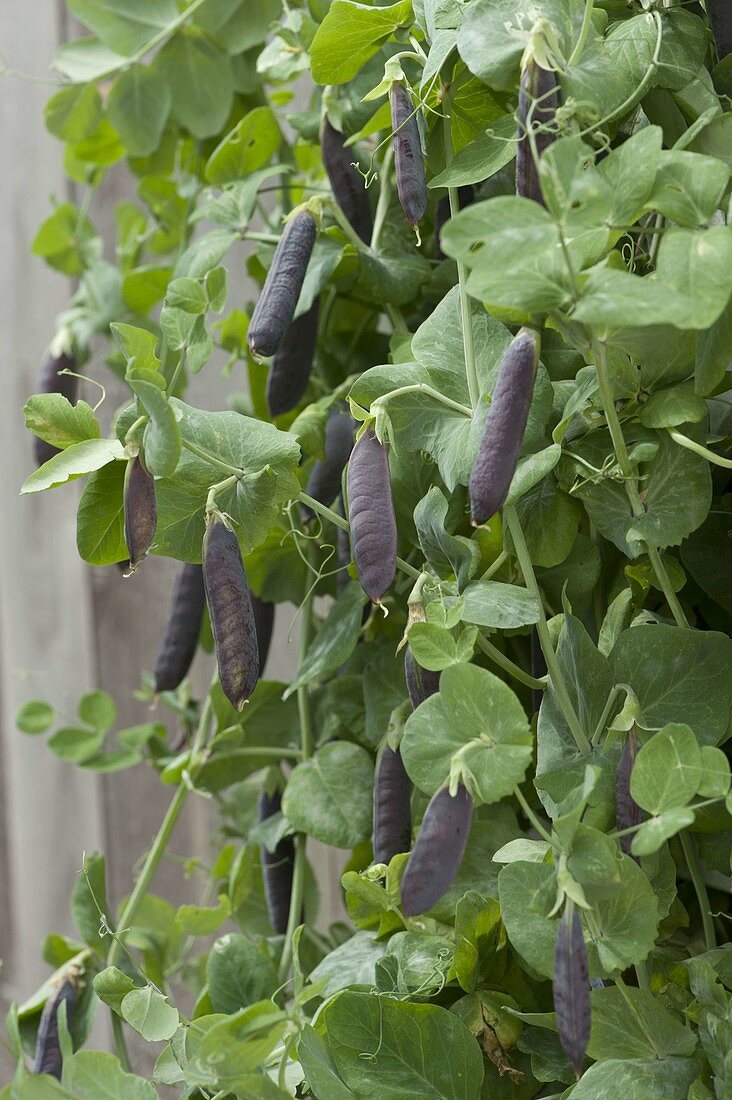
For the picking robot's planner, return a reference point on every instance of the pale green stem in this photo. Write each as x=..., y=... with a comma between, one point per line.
x=532, y=816
x=555, y=674
x=583, y=34
x=211, y=459
x=621, y=453
x=219, y=487
x=120, y=1043
x=466, y=321
x=495, y=566
x=508, y=665
x=128, y=914
x=339, y=521
x=265, y=238
x=382, y=205
x=692, y=862
x=422, y=387
x=697, y=448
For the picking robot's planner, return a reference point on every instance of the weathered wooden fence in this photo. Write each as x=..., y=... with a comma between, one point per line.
x=65, y=627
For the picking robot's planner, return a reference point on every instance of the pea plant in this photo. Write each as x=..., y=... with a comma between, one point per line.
x=479, y=409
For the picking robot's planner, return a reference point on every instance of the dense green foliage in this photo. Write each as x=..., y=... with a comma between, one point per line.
x=581, y=719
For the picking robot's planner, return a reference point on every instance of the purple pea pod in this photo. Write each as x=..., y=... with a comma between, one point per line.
x=438, y=850
x=290, y=371
x=264, y=624
x=232, y=616
x=48, y=1058
x=628, y=813
x=141, y=511
x=275, y=309
x=324, y=483
x=421, y=683
x=571, y=988
x=408, y=158
x=52, y=381
x=392, y=807
x=371, y=516
x=537, y=90
x=277, y=867
x=719, y=14
x=180, y=641
x=348, y=187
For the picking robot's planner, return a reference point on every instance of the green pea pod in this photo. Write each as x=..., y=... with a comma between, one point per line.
x=538, y=102
x=232, y=616
x=505, y=425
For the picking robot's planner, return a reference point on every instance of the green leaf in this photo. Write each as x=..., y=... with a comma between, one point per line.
x=447, y=552
x=92, y=1073
x=66, y=240
x=667, y=770
x=477, y=928
x=336, y=639
x=240, y=25
x=317, y=1062
x=637, y=1079
x=112, y=986
x=148, y=1012
x=434, y=646
x=351, y=963
x=100, y=530
x=187, y=294
x=635, y=1024
x=494, y=34
x=53, y=418
x=138, y=106
x=688, y=187
x=229, y=1053
x=654, y=833
x=198, y=920
x=76, y=461
x=715, y=768
x=478, y=716
x=73, y=113
x=75, y=745
x=98, y=710
x=124, y=26
x=238, y=974
x=88, y=897
x=87, y=58
x=349, y=35
x=711, y=570
x=330, y=796
x=677, y=676
x=672, y=407
x=249, y=146
x=481, y=159
x=35, y=717
x=199, y=77
x=499, y=606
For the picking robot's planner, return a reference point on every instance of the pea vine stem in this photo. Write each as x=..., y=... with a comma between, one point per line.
x=555, y=673
x=607, y=397
x=306, y=746
x=692, y=862
x=466, y=321
x=382, y=204
x=165, y=832
x=583, y=34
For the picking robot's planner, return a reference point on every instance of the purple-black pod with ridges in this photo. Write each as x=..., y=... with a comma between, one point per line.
x=141, y=512
x=571, y=988
x=392, y=807
x=537, y=89
x=421, y=683
x=52, y=381
x=324, y=483
x=277, y=867
x=290, y=371
x=264, y=623
x=371, y=515
x=719, y=13
x=275, y=309
x=48, y=1058
x=628, y=813
x=438, y=850
x=408, y=157
x=346, y=182
x=182, y=632
x=505, y=425
x=232, y=616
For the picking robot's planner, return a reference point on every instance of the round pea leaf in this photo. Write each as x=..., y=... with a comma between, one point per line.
x=667, y=771
x=330, y=796
x=477, y=715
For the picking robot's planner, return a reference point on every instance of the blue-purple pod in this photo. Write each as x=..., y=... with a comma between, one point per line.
x=538, y=87
x=232, y=616
x=571, y=988
x=371, y=516
x=438, y=850
x=275, y=309
x=392, y=807
x=411, y=180
x=183, y=629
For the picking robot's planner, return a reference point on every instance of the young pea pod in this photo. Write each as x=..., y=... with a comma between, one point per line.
x=180, y=640
x=346, y=183
x=392, y=809
x=263, y=623
x=408, y=159
x=504, y=428
x=438, y=850
x=293, y=361
x=232, y=616
x=52, y=381
x=141, y=512
x=571, y=988
x=324, y=483
x=628, y=813
x=421, y=683
x=719, y=13
x=48, y=1058
x=538, y=102
x=275, y=309
x=371, y=516
x=277, y=868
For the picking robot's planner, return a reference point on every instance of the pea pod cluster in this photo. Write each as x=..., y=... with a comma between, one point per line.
x=346, y=183
x=538, y=102
x=505, y=425
x=438, y=851
x=275, y=309
x=232, y=616
x=371, y=515
x=411, y=180
x=140, y=511
x=182, y=631
x=51, y=380
x=571, y=988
